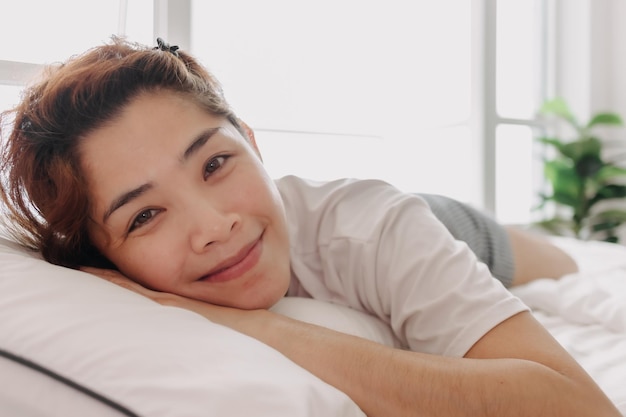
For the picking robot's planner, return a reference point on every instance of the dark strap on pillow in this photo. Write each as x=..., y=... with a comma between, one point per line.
x=82, y=389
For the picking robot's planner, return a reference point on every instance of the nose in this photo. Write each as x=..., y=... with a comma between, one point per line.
x=209, y=224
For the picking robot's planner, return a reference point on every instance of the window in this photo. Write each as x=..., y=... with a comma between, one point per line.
x=51, y=31
x=430, y=96
x=522, y=77
x=386, y=89
x=351, y=88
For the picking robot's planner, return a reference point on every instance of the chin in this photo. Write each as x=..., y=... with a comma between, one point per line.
x=263, y=301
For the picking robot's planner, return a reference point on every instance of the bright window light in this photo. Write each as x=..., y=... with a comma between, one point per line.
x=9, y=96
x=376, y=90
x=44, y=31
x=517, y=65
x=343, y=72
x=515, y=174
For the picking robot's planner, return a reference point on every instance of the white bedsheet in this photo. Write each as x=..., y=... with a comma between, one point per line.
x=586, y=312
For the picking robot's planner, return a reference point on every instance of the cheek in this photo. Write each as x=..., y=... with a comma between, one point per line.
x=262, y=193
x=154, y=263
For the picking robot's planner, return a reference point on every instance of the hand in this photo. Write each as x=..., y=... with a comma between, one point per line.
x=227, y=316
x=122, y=280
x=523, y=378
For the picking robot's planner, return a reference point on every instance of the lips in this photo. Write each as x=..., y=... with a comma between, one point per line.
x=237, y=265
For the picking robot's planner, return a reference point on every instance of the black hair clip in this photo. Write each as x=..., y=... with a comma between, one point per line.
x=163, y=46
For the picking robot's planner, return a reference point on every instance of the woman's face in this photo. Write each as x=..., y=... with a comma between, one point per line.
x=182, y=204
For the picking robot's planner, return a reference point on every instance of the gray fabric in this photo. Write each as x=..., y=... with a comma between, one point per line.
x=487, y=238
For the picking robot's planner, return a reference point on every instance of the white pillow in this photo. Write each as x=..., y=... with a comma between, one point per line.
x=136, y=355
x=340, y=318
x=28, y=382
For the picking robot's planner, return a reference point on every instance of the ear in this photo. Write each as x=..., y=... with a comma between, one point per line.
x=250, y=135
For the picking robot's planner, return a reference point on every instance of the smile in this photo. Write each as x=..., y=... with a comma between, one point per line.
x=237, y=265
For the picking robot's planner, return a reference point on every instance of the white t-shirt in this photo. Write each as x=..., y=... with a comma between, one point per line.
x=366, y=245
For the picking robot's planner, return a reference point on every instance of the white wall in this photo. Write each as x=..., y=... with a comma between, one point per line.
x=616, y=90
x=591, y=59
x=591, y=66
x=329, y=71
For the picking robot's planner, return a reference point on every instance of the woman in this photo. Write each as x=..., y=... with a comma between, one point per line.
x=129, y=158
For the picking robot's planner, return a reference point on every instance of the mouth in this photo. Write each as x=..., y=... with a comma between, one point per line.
x=237, y=265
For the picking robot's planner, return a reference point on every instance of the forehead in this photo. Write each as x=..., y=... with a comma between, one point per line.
x=149, y=122
x=146, y=139
x=149, y=114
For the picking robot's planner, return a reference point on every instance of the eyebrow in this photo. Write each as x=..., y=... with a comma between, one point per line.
x=195, y=145
x=125, y=199
x=199, y=142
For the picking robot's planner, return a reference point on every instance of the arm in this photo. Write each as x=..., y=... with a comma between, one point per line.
x=536, y=257
x=503, y=373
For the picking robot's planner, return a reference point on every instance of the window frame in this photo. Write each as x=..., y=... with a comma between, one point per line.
x=172, y=21
x=487, y=120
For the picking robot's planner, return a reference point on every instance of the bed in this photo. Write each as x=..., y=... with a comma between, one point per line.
x=586, y=312
x=76, y=345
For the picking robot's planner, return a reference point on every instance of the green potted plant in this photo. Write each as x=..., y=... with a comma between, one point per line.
x=585, y=186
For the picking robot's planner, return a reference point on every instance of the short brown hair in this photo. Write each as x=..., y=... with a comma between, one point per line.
x=42, y=187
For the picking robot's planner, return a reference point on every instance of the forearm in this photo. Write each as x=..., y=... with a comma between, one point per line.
x=517, y=368
x=390, y=382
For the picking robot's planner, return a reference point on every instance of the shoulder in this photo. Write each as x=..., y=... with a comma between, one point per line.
x=356, y=209
x=355, y=198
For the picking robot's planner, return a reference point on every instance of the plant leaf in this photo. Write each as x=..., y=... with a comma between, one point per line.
x=554, y=142
x=565, y=198
x=613, y=119
x=608, y=192
x=566, y=184
x=588, y=166
x=556, y=225
x=618, y=216
x=609, y=171
x=582, y=148
x=608, y=221
x=559, y=107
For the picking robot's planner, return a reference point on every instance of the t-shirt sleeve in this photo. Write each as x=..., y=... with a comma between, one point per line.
x=438, y=295
x=369, y=246
x=405, y=267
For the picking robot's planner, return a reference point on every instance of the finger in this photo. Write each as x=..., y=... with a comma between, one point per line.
x=107, y=274
x=115, y=277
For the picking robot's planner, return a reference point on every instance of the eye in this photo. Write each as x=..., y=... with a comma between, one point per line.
x=214, y=164
x=143, y=218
